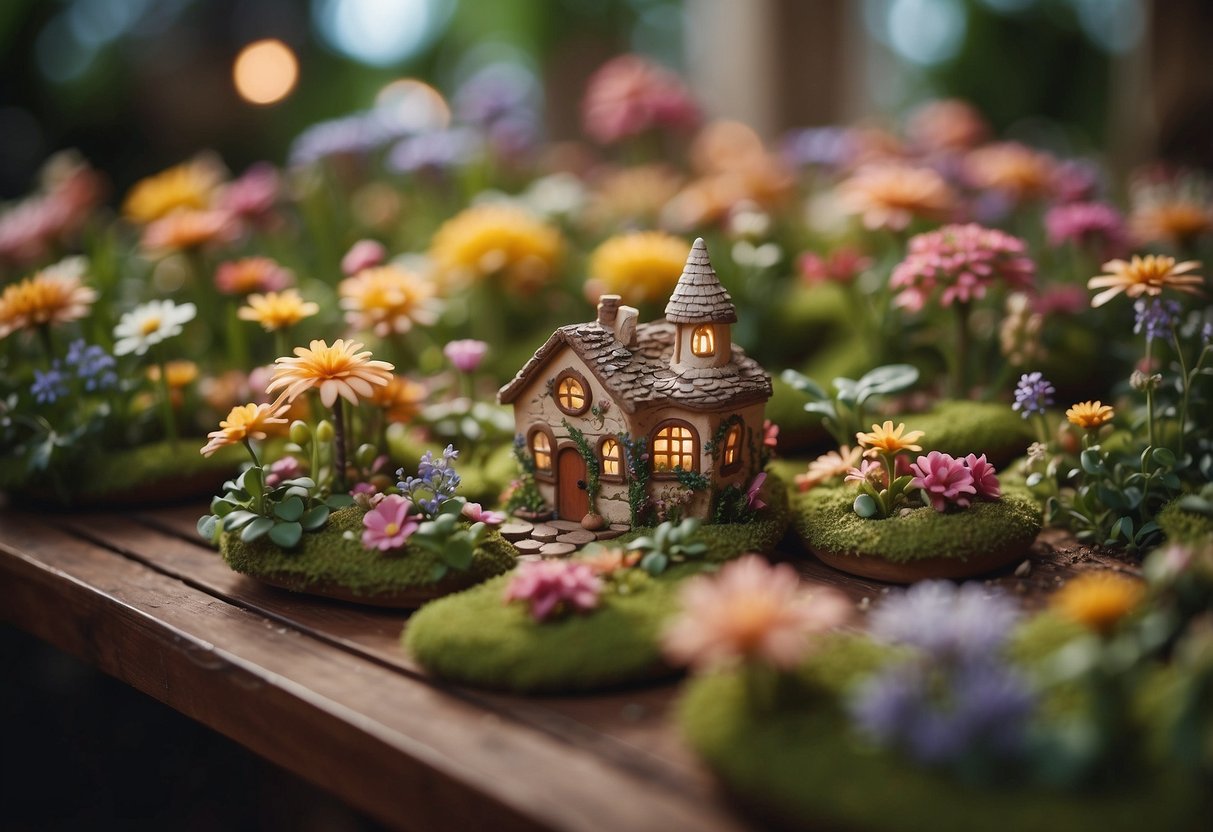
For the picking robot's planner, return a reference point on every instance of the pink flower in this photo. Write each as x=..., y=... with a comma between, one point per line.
x=629, y=95
x=869, y=470
x=477, y=514
x=466, y=354
x=753, y=501
x=554, y=587
x=770, y=433
x=962, y=261
x=388, y=525
x=752, y=612
x=984, y=479
x=251, y=274
x=842, y=265
x=1061, y=300
x=944, y=479
x=1091, y=225
x=286, y=468
x=253, y=195
x=364, y=254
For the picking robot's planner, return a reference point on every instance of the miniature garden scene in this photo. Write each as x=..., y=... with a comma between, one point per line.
x=545, y=399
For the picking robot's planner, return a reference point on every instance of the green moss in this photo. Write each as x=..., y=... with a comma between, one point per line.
x=801, y=765
x=825, y=521
x=1185, y=526
x=960, y=428
x=328, y=559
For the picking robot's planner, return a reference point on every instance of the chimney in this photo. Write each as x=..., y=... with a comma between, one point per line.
x=625, y=326
x=608, y=307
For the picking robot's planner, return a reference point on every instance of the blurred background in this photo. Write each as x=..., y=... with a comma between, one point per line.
x=137, y=85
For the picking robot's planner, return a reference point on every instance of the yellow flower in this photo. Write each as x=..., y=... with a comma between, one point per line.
x=640, y=266
x=180, y=373
x=189, y=185
x=339, y=370
x=889, y=195
x=248, y=421
x=186, y=229
x=386, y=300
x=1178, y=222
x=1147, y=275
x=1090, y=415
x=827, y=466
x=47, y=298
x=493, y=239
x=277, y=310
x=885, y=439
x=401, y=398
x=1098, y=600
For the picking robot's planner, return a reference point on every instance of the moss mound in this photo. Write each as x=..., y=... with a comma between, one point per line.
x=328, y=563
x=960, y=428
x=1182, y=526
x=801, y=766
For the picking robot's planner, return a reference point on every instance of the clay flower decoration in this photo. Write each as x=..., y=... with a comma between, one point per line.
x=465, y=354
x=553, y=588
x=244, y=423
x=1147, y=275
x=750, y=613
x=954, y=700
x=1174, y=208
x=435, y=482
x=190, y=185
x=629, y=96
x=387, y=300
x=946, y=481
x=475, y=513
x=1099, y=601
x=389, y=524
x=639, y=266
x=891, y=194
x=884, y=443
x=146, y=326
x=277, y=311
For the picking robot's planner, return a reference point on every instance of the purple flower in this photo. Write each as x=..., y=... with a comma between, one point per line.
x=828, y=147
x=1091, y=225
x=1033, y=394
x=93, y=365
x=551, y=587
x=389, y=524
x=753, y=501
x=496, y=92
x=435, y=151
x=944, y=480
x=944, y=620
x=1156, y=317
x=466, y=354
x=435, y=478
x=984, y=479
x=49, y=385
x=363, y=254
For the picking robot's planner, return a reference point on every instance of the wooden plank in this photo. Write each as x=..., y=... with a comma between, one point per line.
x=395, y=747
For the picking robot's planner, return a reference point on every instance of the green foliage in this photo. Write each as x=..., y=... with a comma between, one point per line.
x=449, y=540
x=281, y=513
x=525, y=493
x=635, y=453
x=844, y=413
x=670, y=544
x=692, y=480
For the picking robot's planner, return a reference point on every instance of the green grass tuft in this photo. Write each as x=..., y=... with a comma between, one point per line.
x=1184, y=526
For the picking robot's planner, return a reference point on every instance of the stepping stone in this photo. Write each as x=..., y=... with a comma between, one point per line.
x=566, y=525
x=529, y=558
x=577, y=538
x=544, y=533
x=557, y=550
x=516, y=530
x=528, y=547
x=620, y=527
x=607, y=534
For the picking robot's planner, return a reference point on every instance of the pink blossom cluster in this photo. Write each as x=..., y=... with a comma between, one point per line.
x=553, y=587
x=963, y=261
x=842, y=266
x=31, y=228
x=629, y=96
x=948, y=481
x=1093, y=225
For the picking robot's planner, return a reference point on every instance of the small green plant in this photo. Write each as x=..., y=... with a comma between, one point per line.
x=447, y=537
x=670, y=543
x=524, y=493
x=283, y=512
x=844, y=413
x=637, y=457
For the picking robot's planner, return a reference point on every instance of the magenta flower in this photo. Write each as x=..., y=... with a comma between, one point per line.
x=753, y=501
x=254, y=194
x=1091, y=225
x=983, y=477
x=389, y=524
x=960, y=262
x=554, y=587
x=466, y=354
x=944, y=479
x=842, y=265
x=629, y=95
x=477, y=514
x=364, y=254
x=286, y=468
x=770, y=433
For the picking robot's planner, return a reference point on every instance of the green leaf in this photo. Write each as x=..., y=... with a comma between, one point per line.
x=208, y=527
x=286, y=535
x=643, y=543
x=1171, y=481
x=1111, y=498
x=1091, y=461
x=314, y=518
x=290, y=510
x=803, y=384
x=1034, y=479
x=438, y=571
x=824, y=408
x=1123, y=528
x=302, y=482
x=654, y=563
x=1146, y=530
x=453, y=506
x=238, y=519
x=865, y=506
x=1163, y=457
x=339, y=500
x=459, y=553
x=222, y=507
x=887, y=379
x=256, y=529
x=253, y=481
x=297, y=491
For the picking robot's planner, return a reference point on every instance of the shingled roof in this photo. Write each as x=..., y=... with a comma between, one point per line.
x=699, y=298
x=641, y=376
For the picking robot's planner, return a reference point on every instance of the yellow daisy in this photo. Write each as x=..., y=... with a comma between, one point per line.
x=44, y=299
x=1098, y=600
x=277, y=310
x=386, y=300
x=494, y=239
x=337, y=370
x=180, y=373
x=401, y=398
x=189, y=185
x=1090, y=415
x=640, y=266
x=886, y=439
x=1147, y=275
x=248, y=421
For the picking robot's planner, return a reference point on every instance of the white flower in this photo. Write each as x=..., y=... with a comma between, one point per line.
x=149, y=324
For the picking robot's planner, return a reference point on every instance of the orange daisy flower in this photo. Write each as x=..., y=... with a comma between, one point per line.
x=890, y=195
x=277, y=310
x=337, y=370
x=1147, y=275
x=386, y=300
x=47, y=298
x=248, y=421
x=886, y=439
x=401, y=398
x=1090, y=415
x=1099, y=600
x=186, y=229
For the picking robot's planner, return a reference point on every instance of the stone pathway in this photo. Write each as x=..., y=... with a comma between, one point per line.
x=554, y=538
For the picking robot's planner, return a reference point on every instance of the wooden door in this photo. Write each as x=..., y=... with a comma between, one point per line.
x=572, y=500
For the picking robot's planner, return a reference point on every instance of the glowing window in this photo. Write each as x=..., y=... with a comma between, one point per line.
x=703, y=340
x=732, y=446
x=571, y=396
x=612, y=461
x=674, y=447
x=541, y=451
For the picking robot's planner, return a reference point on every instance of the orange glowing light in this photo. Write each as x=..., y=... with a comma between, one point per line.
x=265, y=72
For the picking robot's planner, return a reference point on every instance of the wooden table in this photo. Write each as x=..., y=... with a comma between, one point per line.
x=323, y=688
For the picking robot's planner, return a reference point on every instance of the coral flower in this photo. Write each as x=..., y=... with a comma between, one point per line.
x=389, y=524
x=1098, y=600
x=842, y=265
x=364, y=254
x=1147, y=275
x=401, y=399
x=387, y=300
x=609, y=561
x=465, y=354
x=752, y=612
x=890, y=195
x=629, y=95
x=251, y=274
x=869, y=470
x=944, y=480
x=189, y=185
x=337, y=370
x=1090, y=415
x=948, y=125
x=1012, y=168
x=886, y=439
x=553, y=587
x=47, y=298
x=493, y=239
x=963, y=261
x=186, y=229
x=277, y=310
x=248, y=421
x=147, y=325
x=641, y=266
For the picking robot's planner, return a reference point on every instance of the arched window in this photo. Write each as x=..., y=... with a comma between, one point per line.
x=572, y=393
x=703, y=340
x=541, y=451
x=732, y=447
x=612, y=458
x=674, y=447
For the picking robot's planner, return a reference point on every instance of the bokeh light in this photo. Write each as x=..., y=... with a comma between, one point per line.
x=380, y=32
x=413, y=106
x=265, y=72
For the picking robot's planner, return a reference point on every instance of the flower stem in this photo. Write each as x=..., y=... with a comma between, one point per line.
x=237, y=341
x=339, y=446
x=166, y=401
x=1149, y=392
x=280, y=344
x=960, y=376
x=48, y=342
x=1187, y=383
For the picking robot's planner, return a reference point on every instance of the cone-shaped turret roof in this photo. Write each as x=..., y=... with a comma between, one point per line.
x=699, y=298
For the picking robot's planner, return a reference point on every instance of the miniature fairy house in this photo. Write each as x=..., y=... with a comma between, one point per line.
x=620, y=417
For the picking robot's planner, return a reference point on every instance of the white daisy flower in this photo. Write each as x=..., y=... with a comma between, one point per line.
x=149, y=324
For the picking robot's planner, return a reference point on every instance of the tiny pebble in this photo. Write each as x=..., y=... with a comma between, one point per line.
x=1024, y=569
